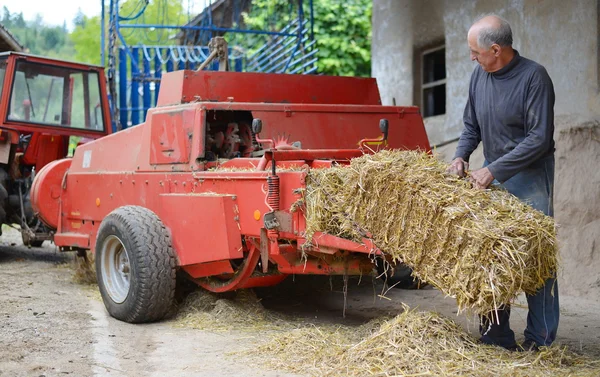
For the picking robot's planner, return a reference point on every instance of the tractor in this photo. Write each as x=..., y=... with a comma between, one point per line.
x=47, y=108
x=209, y=184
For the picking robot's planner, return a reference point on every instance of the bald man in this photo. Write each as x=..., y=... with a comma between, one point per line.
x=511, y=110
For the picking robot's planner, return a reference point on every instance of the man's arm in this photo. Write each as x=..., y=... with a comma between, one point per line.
x=471, y=135
x=539, y=123
x=469, y=138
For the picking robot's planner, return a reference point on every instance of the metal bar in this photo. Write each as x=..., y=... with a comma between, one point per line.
x=157, y=75
x=291, y=56
x=134, y=95
x=312, y=70
x=284, y=30
x=273, y=44
x=312, y=154
x=312, y=20
x=276, y=42
x=102, y=33
x=146, y=88
x=265, y=58
x=169, y=65
x=127, y=49
x=313, y=61
x=274, y=62
x=434, y=83
x=145, y=26
x=123, y=114
x=279, y=64
x=208, y=60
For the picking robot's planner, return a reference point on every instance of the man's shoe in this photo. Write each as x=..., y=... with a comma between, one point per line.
x=514, y=347
x=529, y=345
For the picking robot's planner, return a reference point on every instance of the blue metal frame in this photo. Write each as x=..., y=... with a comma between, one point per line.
x=290, y=50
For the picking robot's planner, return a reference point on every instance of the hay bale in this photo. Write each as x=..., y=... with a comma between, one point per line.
x=482, y=247
x=412, y=344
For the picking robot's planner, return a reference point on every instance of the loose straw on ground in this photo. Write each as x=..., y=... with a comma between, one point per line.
x=412, y=344
x=482, y=247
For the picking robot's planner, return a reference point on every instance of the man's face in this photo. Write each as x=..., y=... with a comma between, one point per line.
x=485, y=57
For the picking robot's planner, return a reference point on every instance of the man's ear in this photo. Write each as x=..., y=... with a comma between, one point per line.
x=496, y=49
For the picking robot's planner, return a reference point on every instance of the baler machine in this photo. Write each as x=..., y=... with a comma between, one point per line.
x=207, y=183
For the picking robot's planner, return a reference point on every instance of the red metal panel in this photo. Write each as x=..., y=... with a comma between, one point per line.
x=117, y=152
x=330, y=128
x=44, y=149
x=72, y=239
x=201, y=270
x=204, y=228
x=46, y=190
x=171, y=136
x=327, y=242
x=188, y=86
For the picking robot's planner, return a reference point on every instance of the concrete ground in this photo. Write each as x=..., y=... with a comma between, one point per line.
x=51, y=326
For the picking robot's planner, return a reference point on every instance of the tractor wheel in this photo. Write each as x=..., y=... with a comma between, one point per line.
x=135, y=265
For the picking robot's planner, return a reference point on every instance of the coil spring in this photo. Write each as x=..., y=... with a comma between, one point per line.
x=273, y=193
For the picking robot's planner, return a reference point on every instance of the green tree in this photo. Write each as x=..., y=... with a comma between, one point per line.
x=86, y=35
x=342, y=30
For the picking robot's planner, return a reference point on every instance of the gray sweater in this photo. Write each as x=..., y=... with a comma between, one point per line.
x=512, y=112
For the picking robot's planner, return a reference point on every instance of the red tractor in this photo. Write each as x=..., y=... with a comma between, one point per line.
x=207, y=183
x=45, y=106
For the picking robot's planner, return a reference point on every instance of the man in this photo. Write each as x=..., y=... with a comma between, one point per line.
x=511, y=110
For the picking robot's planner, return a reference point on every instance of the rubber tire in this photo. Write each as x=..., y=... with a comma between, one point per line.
x=152, y=263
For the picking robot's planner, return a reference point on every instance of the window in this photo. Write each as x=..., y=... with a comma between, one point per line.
x=56, y=96
x=433, y=81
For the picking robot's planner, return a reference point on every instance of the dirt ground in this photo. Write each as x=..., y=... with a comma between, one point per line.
x=51, y=326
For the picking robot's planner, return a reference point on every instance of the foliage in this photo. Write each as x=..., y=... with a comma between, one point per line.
x=86, y=35
x=37, y=37
x=342, y=30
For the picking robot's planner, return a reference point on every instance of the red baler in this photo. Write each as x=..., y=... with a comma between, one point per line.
x=206, y=185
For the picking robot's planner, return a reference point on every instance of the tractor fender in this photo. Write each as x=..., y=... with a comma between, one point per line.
x=46, y=191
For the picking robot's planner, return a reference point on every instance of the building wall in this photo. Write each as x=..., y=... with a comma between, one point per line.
x=561, y=35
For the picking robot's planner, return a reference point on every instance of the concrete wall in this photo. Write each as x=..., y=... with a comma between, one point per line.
x=392, y=56
x=561, y=35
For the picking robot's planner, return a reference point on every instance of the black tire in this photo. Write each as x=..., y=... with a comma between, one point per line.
x=148, y=274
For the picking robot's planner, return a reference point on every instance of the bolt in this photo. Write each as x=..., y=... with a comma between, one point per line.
x=236, y=218
x=234, y=197
x=146, y=181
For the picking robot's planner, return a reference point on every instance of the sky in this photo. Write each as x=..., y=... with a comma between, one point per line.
x=53, y=12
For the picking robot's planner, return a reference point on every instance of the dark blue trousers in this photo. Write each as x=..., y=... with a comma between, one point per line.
x=534, y=186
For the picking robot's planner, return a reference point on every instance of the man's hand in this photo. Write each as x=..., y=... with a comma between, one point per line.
x=481, y=178
x=458, y=167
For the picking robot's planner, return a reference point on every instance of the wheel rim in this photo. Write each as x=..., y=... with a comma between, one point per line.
x=115, y=269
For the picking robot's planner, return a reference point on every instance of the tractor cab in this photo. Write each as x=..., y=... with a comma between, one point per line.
x=47, y=108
